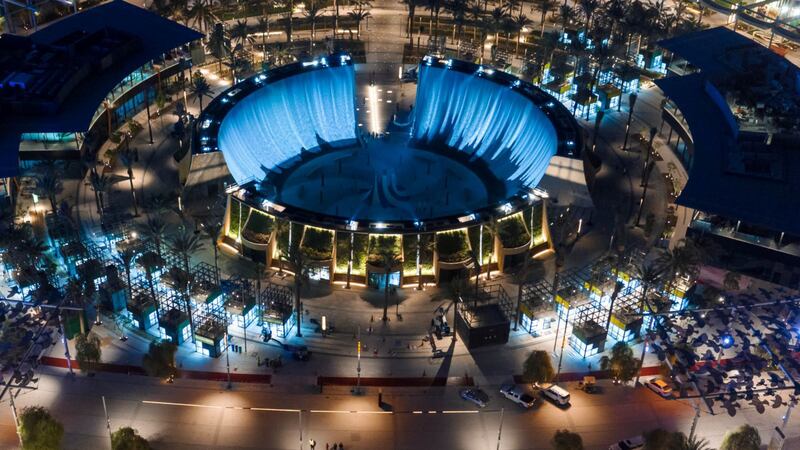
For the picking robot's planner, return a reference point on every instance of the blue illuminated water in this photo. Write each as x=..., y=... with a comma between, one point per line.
x=473, y=142
x=270, y=127
x=485, y=120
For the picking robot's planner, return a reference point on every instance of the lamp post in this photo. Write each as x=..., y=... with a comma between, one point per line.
x=598, y=118
x=631, y=103
x=647, y=157
x=227, y=358
x=357, y=389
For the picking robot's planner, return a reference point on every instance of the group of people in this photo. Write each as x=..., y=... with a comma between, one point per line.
x=313, y=444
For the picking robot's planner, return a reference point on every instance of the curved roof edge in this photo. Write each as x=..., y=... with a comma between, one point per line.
x=156, y=36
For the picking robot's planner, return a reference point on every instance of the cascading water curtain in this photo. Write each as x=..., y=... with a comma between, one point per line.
x=486, y=120
x=271, y=126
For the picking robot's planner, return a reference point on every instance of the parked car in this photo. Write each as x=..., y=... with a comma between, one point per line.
x=660, y=387
x=633, y=443
x=556, y=394
x=517, y=395
x=475, y=395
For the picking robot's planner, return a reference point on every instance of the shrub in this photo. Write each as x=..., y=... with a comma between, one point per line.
x=512, y=232
x=452, y=246
x=258, y=228
x=38, y=429
x=128, y=439
x=318, y=243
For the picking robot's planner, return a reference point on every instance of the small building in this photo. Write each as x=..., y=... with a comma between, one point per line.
x=588, y=338
x=625, y=325
x=482, y=325
x=174, y=326
x=113, y=292
x=142, y=310
x=609, y=96
x=210, y=338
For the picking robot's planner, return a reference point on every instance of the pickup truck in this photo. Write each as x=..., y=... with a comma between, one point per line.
x=517, y=395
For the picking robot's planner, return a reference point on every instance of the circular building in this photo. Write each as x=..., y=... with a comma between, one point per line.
x=447, y=182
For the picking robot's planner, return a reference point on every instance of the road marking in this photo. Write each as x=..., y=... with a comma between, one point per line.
x=314, y=411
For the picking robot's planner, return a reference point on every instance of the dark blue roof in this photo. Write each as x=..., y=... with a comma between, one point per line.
x=156, y=35
x=770, y=202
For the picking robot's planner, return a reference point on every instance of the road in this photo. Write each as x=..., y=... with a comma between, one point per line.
x=202, y=415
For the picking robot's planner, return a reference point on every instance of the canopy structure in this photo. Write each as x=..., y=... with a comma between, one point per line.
x=152, y=36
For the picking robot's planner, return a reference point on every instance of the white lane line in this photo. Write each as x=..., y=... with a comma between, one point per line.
x=314, y=411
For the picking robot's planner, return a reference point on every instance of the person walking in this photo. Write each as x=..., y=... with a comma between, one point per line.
x=312, y=443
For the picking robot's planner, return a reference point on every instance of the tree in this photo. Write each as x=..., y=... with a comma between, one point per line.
x=240, y=33
x=159, y=361
x=100, y=184
x=544, y=7
x=520, y=23
x=184, y=244
x=289, y=24
x=154, y=230
x=181, y=281
x=567, y=440
x=745, y=437
x=150, y=262
x=211, y=231
x=299, y=263
x=49, y=186
x=200, y=88
x=87, y=352
x=127, y=438
x=359, y=14
x=127, y=157
x=219, y=45
x=660, y=439
x=202, y=15
x=125, y=259
x=279, y=227
x=313, y=13
x=538, y=368
x=39, y=430
x=621, y=364
x=389, y=259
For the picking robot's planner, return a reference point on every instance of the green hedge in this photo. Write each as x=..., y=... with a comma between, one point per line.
x=474, y=241
x=342, y=251
x=452, y=246
x=380, y=243
x=233, y=229
x=537, y=231
x=318, y=243
x=513, y=232
x=426, y=253
x=360, y=248
x=258, y=227
x=410, y=254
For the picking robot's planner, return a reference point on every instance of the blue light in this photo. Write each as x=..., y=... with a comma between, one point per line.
x=726, y=341
x=323, y=101
x=324, y=62
x=484, y=120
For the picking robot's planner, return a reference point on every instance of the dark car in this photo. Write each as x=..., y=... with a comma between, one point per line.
x=475, y=395
x=299, y=352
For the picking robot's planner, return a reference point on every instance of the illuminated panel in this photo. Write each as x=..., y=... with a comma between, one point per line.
x=270, y=127
x=485, y=119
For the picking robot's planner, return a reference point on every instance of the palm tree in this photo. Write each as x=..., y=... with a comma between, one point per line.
x=279, y=227
x=203, y=15
x=49, y=185
x=520, y=23
x=510, y=6
x=263, y=28
x=648, y=275
x=212, y=231
x=184, y=244
x=154, y=230
x=299, y=263
x=241, y=32
x=100, y=184
x=566, y=14
x=181, y=281
x=358, y=15
x=682, y=259
x=588, y=7
x=219, y=44
x=545, y=7
x=150, y=262
x=127, y=157
x=313, y=13
x=498, y=19
x=475, y=13
x=125, y=259
x=200, y=88
x=412, y=9
x=389, y=259
x=289, y=24
x=423, y=246
x=458, y=10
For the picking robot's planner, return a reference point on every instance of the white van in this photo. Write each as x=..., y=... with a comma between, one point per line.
x=556, y=394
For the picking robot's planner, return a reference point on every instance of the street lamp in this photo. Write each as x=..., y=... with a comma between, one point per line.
x=631, y=103
x=357, y=389
x=598, y=118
